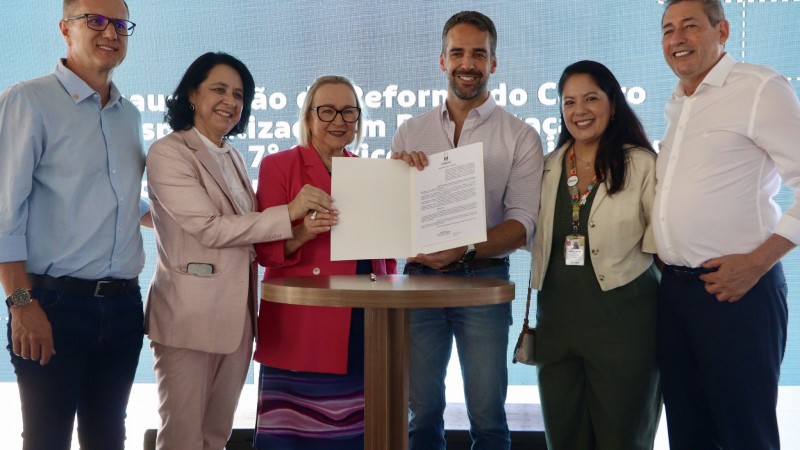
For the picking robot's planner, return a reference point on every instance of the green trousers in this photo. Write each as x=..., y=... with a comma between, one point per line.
x=598, y=376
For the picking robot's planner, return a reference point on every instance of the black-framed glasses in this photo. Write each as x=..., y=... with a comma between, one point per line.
x=99, y=22
x=328, y=113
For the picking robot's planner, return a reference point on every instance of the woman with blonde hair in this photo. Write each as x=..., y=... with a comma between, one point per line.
x=311, y=390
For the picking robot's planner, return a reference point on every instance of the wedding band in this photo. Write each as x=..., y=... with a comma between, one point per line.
x=314, y=215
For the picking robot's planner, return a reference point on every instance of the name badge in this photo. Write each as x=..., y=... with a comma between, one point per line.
x=574, y=249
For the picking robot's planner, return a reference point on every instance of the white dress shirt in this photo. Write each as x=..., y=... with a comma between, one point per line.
x=726, y=149
x=241, y=192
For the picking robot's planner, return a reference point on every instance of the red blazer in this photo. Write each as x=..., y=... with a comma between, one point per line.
x=303, y=338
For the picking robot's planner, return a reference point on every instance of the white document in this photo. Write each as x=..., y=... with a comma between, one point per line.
x=390, y=210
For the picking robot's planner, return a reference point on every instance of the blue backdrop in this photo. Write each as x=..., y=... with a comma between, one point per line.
x=391, y=51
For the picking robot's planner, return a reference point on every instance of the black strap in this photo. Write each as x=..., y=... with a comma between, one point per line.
x=107, y=287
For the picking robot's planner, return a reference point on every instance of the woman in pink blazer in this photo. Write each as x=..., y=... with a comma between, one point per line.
x=312, y=374
x=201, y=303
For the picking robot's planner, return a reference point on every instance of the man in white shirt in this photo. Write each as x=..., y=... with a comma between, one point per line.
x=732, y=136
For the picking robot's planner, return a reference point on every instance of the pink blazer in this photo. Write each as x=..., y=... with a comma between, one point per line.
x=305, y=338
x=197, y=221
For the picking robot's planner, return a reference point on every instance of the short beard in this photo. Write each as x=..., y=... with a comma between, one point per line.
x=480, y=89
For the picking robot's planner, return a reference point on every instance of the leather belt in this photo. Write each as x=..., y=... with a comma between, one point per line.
x=687, y=273
x=475, y=264
x=106, y=287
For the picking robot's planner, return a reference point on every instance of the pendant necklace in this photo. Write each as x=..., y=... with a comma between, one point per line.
x=588, y=165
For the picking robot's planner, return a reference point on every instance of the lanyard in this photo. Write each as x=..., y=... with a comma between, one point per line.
x=577, y=199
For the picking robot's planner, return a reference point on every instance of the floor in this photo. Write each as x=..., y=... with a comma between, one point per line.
x=142, y=414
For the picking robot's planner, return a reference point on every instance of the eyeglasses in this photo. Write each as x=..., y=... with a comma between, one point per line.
x=98, y=22
x=328, y=113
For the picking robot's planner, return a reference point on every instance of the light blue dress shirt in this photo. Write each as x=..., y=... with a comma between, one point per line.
x=70, y=179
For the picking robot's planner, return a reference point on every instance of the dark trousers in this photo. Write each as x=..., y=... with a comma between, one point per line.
x=720, y=363
x=97, y=342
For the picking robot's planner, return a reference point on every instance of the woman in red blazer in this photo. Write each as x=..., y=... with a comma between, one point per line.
x=312, y=374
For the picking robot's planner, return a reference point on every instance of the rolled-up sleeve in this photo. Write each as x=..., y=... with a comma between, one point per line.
x=20, y=149
x=521, y=200
x=776, y=129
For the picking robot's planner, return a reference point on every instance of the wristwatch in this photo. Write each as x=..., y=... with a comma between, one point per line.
x=469, y=255
x=19, y=297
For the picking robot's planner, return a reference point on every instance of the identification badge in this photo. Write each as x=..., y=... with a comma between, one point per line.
x=574, y=249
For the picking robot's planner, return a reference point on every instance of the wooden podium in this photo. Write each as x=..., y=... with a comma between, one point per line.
x=385, y=302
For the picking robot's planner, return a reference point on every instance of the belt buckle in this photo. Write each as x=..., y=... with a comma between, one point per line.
x=685, y=275
x=99, y=287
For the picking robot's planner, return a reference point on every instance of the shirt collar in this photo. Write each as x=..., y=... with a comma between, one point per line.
x=78, y=89
x=716, y=76
x=483, y=111
x=211, y=146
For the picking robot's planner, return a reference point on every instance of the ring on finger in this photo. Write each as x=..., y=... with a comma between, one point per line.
x=314, y=215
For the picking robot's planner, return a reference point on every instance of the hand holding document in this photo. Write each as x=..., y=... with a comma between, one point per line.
x=390, y=210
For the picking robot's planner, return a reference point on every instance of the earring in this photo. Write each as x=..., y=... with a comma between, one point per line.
x=191, y=106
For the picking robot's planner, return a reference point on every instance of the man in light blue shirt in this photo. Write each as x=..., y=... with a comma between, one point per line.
x=71, y=164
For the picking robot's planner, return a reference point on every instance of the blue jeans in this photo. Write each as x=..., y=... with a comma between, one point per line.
x=97, y=343
x=720, y=363
x=481, y=334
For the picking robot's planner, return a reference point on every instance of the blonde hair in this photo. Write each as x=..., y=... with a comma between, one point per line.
x=304, y=136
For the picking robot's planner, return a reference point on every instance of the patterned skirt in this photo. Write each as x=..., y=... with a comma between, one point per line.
x=304, y=410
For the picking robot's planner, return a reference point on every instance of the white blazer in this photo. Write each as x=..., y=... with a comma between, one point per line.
x=621, y=237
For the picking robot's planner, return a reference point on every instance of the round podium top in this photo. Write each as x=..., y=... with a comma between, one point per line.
x=388, y=291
